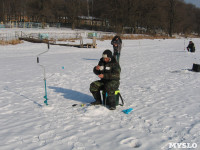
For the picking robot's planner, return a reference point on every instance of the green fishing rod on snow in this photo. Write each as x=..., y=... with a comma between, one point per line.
x=44, y=72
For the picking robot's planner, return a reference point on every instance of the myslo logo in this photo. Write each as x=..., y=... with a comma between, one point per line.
x=183, y=145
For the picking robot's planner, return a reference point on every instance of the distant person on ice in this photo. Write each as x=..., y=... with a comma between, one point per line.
x=108, y=70
x=117, y=45
x=191, y=47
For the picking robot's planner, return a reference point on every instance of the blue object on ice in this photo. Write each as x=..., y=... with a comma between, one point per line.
x=63, y=67
x=127, y=111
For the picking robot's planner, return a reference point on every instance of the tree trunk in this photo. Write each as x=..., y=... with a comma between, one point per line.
x=171, y=16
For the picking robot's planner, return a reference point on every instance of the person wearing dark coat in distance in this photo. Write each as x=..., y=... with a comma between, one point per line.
x=191, y=47
x=108, y=70
x=117, y=45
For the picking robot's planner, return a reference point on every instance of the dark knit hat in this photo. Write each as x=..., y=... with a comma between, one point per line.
x=107, y=53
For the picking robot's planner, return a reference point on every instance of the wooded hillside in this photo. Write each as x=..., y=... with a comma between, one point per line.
x=139, y=16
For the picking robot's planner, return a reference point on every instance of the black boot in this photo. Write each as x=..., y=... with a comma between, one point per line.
x=97, y=97
x=112, y=105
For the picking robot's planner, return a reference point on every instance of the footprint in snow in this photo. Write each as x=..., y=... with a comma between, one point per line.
x=131, y=142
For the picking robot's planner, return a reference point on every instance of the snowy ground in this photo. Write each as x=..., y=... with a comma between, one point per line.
x=156, y=82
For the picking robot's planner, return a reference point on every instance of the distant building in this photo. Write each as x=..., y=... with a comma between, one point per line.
x=92, y=21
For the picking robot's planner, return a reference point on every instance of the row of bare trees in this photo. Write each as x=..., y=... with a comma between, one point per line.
x=169, y=16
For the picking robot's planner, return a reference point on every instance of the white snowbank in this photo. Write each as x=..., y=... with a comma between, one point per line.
x=156, y=81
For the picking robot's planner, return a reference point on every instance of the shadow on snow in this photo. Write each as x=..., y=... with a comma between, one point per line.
x=24, y=96
x=73, y=95
x=89, y=59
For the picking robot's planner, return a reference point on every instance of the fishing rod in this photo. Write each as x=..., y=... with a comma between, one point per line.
x=44, y=71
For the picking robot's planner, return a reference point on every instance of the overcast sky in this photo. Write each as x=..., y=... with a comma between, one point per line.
x=195, y=2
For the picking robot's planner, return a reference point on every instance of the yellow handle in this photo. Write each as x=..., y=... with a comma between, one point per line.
x=116, y=92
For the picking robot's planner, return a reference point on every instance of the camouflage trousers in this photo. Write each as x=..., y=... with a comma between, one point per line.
x=110, y=86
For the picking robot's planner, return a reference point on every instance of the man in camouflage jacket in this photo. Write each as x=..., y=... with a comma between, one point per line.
x=108, y=70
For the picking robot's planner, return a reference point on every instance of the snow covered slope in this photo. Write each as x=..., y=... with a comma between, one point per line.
x=156, y=82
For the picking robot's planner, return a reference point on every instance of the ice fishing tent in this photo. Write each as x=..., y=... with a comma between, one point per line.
x=196, y=68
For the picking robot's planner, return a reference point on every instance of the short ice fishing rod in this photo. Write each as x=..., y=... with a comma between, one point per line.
x=45, y=84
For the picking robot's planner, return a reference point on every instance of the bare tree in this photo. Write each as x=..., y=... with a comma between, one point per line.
x=172, y=7
x=2, y=10
x=197, y=21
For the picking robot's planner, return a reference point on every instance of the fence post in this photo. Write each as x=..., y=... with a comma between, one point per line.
x=94, y=42
x=81, y=41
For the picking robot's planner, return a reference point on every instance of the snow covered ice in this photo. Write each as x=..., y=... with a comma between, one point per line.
x=156, y=82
